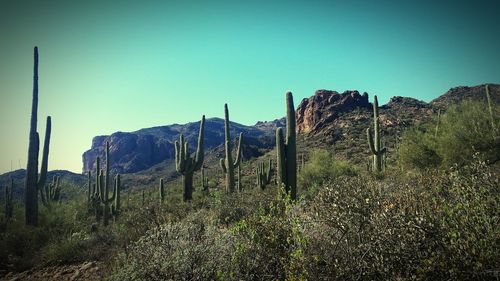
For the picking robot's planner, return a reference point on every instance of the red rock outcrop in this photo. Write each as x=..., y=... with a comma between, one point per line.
x=322, y=108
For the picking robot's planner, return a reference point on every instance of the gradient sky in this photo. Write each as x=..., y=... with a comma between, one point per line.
x=107, y=67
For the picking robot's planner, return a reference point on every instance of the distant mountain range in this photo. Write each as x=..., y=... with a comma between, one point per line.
x=328, y=119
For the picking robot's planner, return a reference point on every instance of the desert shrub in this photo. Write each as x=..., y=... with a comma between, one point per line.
x=469, y=222
x=439, y=226
x=265, y=245
x=176, y=251
x=269, y=245
x=417, y=149
x=322, y=167
x=464, y=130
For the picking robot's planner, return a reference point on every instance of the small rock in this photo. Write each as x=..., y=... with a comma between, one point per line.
x=74, y=276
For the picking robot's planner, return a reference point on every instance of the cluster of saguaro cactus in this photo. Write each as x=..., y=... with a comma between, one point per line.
x=204, y=180
x=185, y=164
x=161, y=191
x=264, y=174
x=34, y=182
x=9, y=206
x=227, y=164
x=99, y=192
x=374, y=140
x=51, y=193
x=287, y=151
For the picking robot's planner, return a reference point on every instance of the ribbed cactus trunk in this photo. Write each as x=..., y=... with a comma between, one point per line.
x=227, y=165
x=185, y=164
x=33, y=182
x=374, y=140
x=102, y=192
x=161, y=190
x=287, y=151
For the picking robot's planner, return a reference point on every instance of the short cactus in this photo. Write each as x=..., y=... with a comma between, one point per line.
x=185, y=164
x=374, y=141
x=264, y=174
x=204, y=180
x=227, y=165
x=51, y=193
x=161, y=190
x=287, y=151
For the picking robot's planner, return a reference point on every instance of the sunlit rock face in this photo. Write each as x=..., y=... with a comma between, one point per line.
x=324, y=106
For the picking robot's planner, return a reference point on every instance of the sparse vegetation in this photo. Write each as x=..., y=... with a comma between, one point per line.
x=329, y=222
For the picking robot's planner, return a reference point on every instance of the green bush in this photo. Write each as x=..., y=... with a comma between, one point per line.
x=323, y=167
x=440, y=226
x=464, y=130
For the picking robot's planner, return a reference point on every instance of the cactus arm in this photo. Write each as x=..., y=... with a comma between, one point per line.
x=222, y=165
x=238, y=151
x=45, y=156
x=199, y=149
x=369, y=137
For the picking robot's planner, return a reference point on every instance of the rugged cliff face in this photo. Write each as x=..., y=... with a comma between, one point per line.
x=316, y=112
x=140, y=150
x=339, y=121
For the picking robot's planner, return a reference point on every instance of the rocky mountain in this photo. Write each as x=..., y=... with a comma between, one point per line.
x=137, y=151
x=338, y=121
x=328, y=119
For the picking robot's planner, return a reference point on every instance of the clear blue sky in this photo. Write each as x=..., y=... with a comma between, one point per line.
x=109, y=66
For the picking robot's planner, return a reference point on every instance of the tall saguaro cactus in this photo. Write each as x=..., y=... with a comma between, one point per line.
x=287, y=151
x=34, y=182
x=227, y=165
x=185, y=164
x=374, y=141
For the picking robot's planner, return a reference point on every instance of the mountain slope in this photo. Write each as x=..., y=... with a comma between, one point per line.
x=140, y=150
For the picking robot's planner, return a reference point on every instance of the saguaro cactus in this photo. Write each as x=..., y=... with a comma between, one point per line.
x=115, y=208
x=185, y=164
x=287, y=151
x=9, y=206
x=263, y=174
x=161, y=190
x=204, y=180
x=33, y=181
x=51, y=192
x=227, y=165
x=104, y=189
x=374, y=141
x=239, y=185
